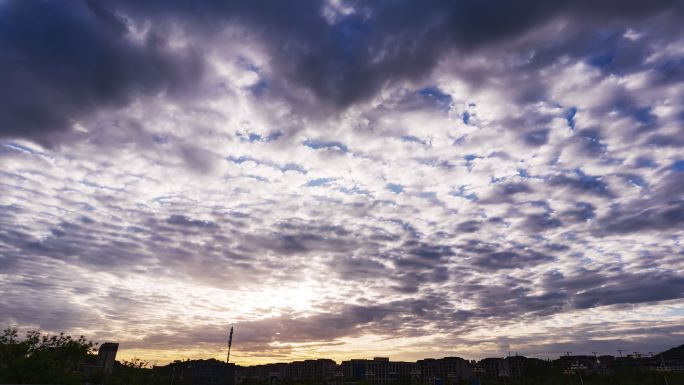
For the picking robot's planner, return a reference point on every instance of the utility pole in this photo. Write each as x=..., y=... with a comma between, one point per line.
x=620, y=351
x=230, y=342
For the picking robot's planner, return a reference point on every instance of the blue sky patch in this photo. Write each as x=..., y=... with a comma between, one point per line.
x=411, y=138
x=590, y=182
x=602, y=60
x=523, y=173
x=436, y=95
x=462, y=192
x=259, y=88
x=319, y=182
x=293, y=167
x=242, y=159
x=18, y=147
x=570, y=117
x=317, y=145
x=395, y=188
x=644, y=162
x=356, y=190
x=678, y=166
x=644, y=115
x=635, y=180
x=469, y=160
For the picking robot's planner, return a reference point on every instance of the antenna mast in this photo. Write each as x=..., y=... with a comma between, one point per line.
x=230, y=342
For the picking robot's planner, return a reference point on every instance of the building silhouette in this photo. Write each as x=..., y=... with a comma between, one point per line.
x=196, y=372
x=378, y=371
x=106, y=356
x=431, y=371
x=444, y=371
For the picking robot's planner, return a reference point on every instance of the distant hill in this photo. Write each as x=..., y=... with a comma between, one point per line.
x=677, y=352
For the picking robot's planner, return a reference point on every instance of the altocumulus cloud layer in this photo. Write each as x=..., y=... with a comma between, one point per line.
x=342, y=177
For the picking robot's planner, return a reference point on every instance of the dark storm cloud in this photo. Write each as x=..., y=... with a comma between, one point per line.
x=180, y=240
x=633, y=288
x=343, y=322
x=493, y=256
x=429, y=252
x=182, y=220
x=76, y=242
x=541, y=222
x=508, y=193
x=590, y=141
x=537, y=138
x=660, y=140
x=586, y=339
x=669, y=215
x=391, y=318
x=358, y=268
x=580, y=182
x=582, y=212
x=594, y=288
x=293, y=237
x=560, y=293
x=418, y=256
x=63, y=62
x=469, y=226
x=510, y=259
x=26, y=303
x=516, y=301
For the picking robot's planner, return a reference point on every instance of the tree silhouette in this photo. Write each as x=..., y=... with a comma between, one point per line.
x=43, y=358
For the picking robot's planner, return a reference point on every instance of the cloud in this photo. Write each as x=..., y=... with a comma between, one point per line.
x=341, y=177
x=646, y=219
x=105, y=55
x=639, y=288
x=63, y=64
x=510, y=259
x=180, y=220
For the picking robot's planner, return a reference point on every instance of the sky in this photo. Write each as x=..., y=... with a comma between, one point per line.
x=344, y=179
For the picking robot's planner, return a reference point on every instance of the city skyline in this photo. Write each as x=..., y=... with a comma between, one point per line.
x=338, y=178
x=58, y=353
x=596, y=351
x=107, y=351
